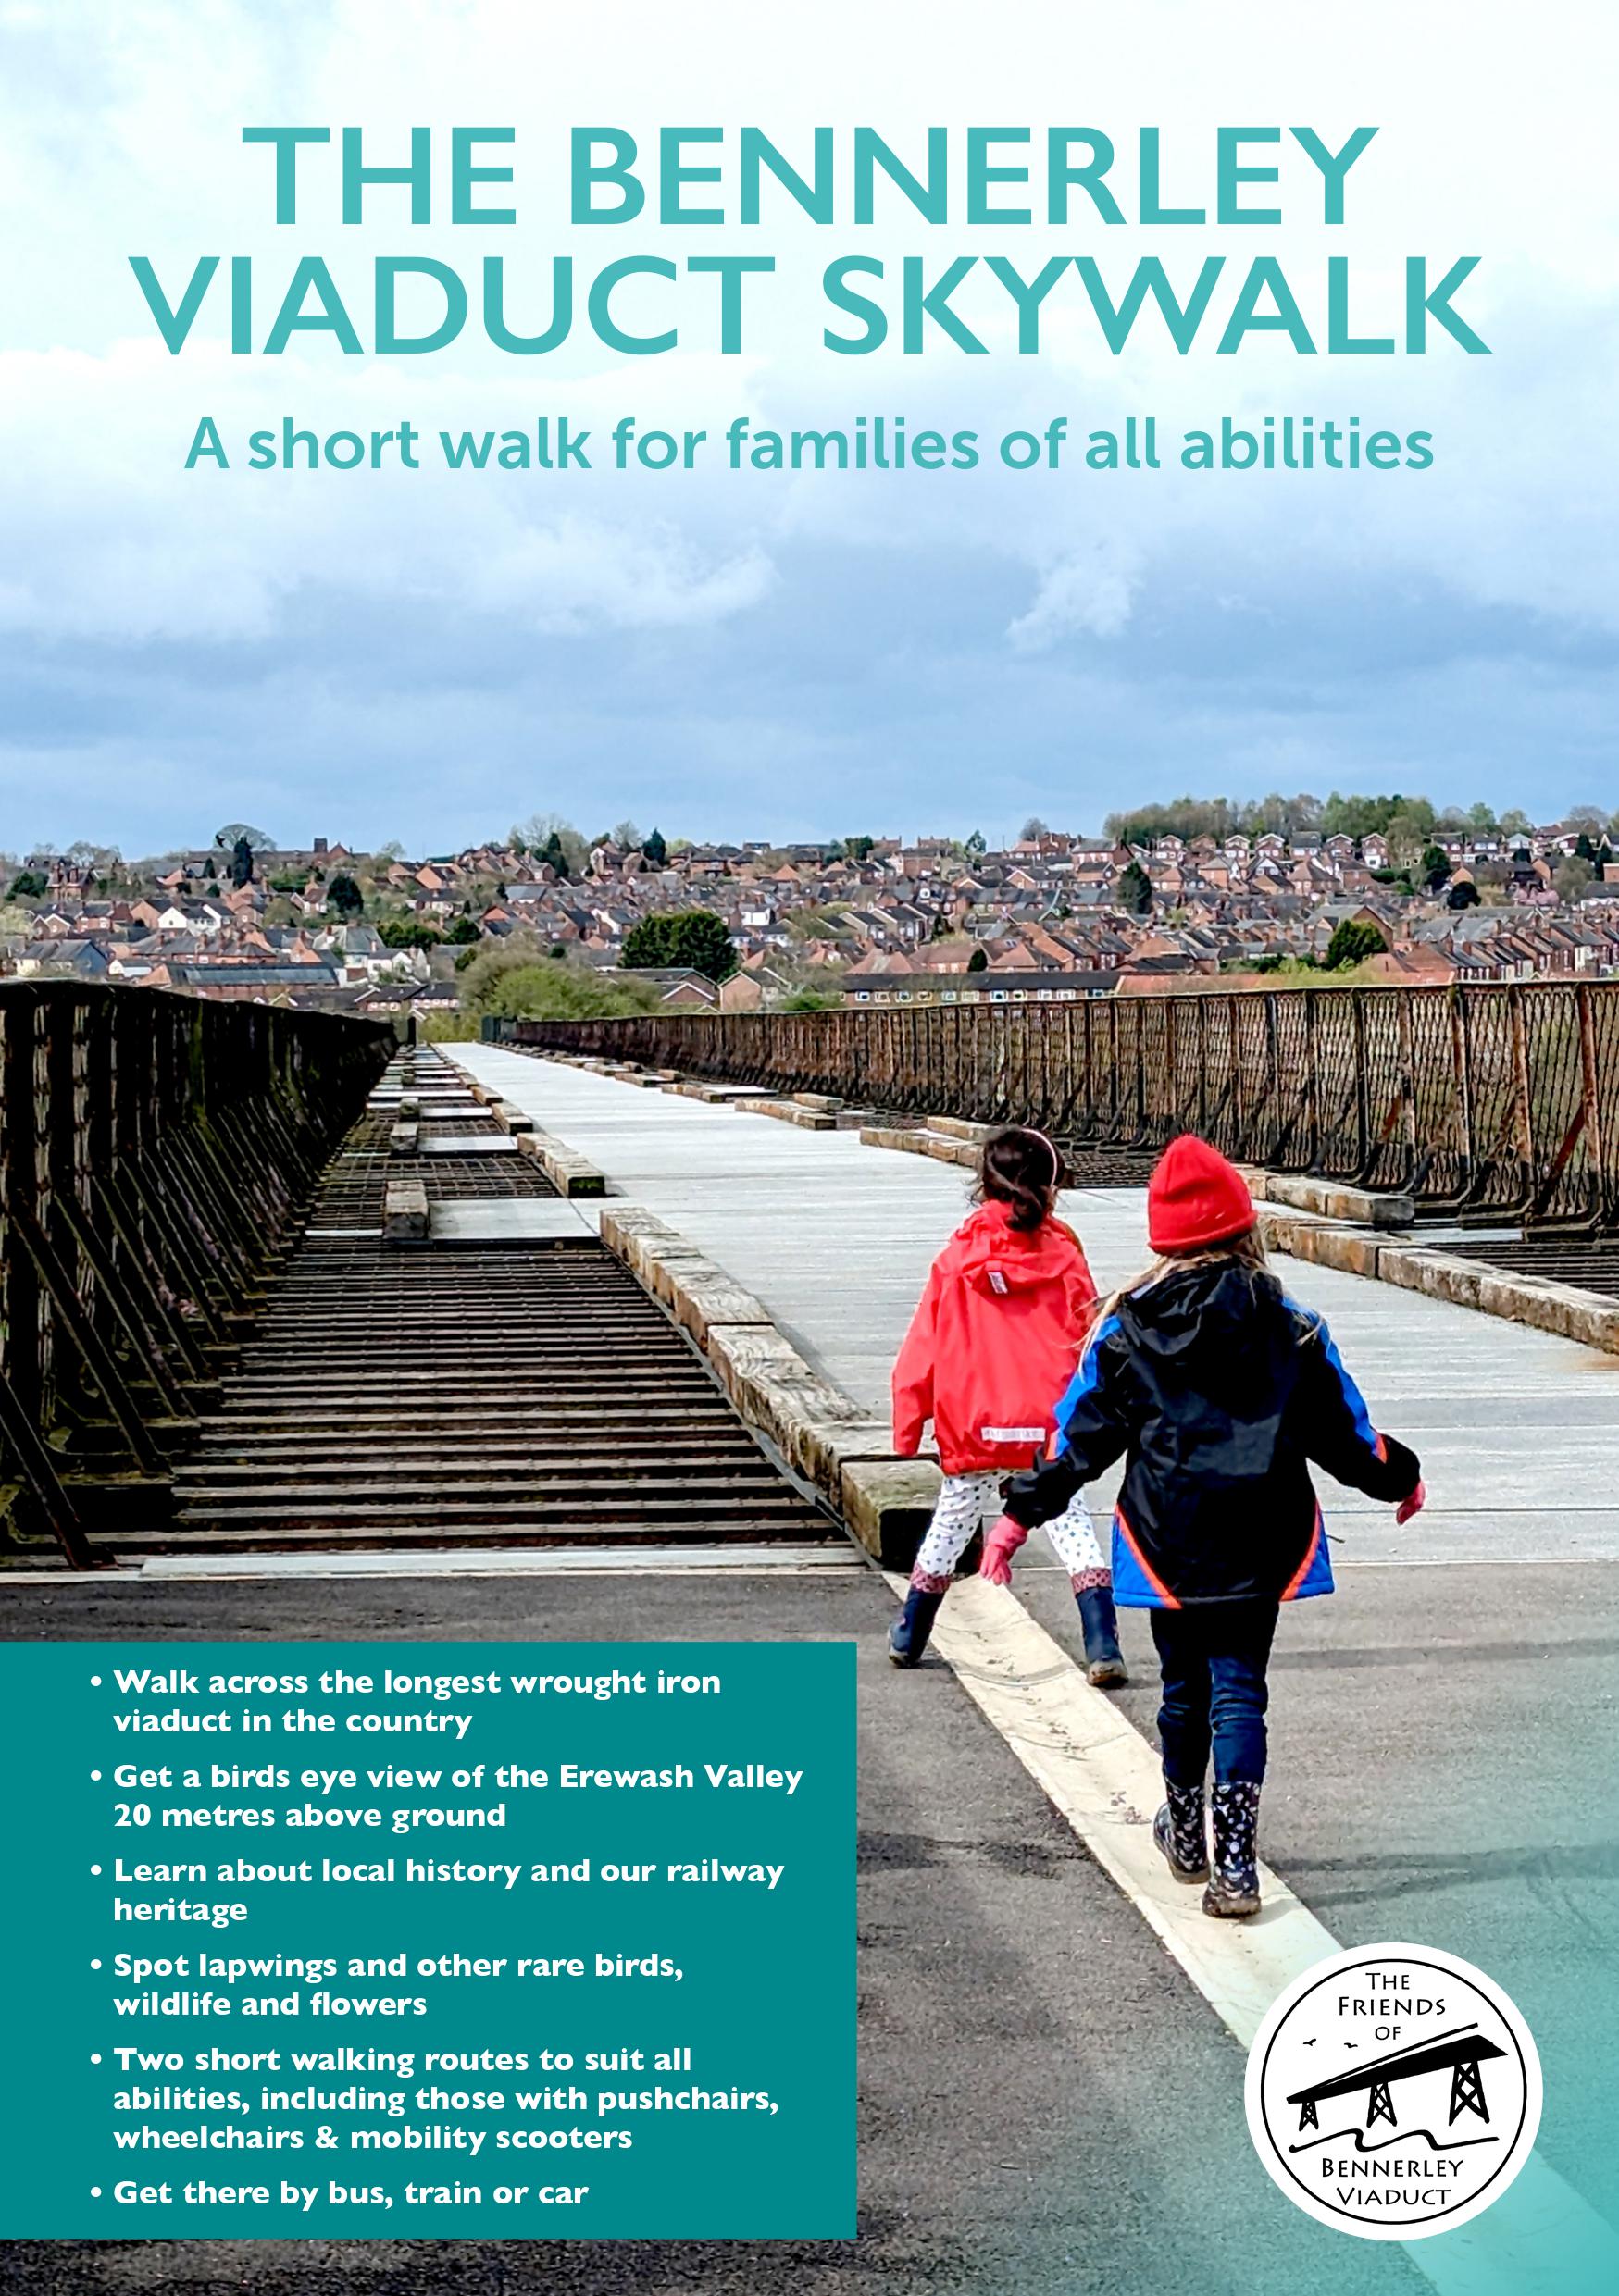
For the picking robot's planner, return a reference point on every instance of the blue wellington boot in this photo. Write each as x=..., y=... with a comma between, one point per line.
x=1105, y=1661
x=908, y=1635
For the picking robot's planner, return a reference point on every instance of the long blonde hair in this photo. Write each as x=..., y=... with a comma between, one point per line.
x=1246, y=1251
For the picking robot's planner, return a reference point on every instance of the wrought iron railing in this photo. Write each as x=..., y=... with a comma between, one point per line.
x=1488, y=1100
x=154, y=1152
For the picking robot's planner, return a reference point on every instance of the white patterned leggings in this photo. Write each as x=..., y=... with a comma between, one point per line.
x=966, y=1500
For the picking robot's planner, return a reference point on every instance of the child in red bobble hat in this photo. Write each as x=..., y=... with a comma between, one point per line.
x=1221, y=1392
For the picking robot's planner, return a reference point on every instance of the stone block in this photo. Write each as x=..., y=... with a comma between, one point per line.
x=887, y=1503
x=1355, y=1252
x=627, y=1227
x=815, y=1426
x=1437, y=1273
x=1332, y=1200
x=943, y=1147
x=789, y=1112
x=700, y=1295
x=404, y=1212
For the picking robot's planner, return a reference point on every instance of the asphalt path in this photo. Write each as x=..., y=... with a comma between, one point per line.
x=1047, y=2104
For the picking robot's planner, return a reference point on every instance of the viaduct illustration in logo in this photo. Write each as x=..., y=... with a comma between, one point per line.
x=1393, y=2092
x=1460, y=2054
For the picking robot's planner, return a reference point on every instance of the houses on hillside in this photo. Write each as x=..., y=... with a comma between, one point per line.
x=1053, y=918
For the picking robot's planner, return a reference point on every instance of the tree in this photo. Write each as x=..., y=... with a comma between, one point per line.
x=656, y=852
x=626, y=835
x=858, y=849
x=1573, y=880
x=1134, y=890
x=28, y=885
x=241, y=863
x=1515, y=824
x=1435, y=867
x=464, y=931
x=1352, y=943
x=1409, y=828
x=979, y=962
x=976, y=846
x=1464, y=894
x=344, y=895
x=1033, y=827
x=520, y=984
x=234, y=831
x=693, y=939
x=408, y=933
x=546, y=834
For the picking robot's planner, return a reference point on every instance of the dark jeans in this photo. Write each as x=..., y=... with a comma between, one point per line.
x=1212, y=1657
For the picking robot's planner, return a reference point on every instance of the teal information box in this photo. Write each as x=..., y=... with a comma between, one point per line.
x=436, y=1940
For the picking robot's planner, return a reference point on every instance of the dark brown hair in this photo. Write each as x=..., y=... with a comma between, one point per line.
x=1022, y=1168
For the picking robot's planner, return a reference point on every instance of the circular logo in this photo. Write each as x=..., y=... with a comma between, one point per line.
x=1392, y=2092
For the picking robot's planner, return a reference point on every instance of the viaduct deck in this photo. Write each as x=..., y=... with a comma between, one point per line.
x=1444, y=1731
x=1445, y=1736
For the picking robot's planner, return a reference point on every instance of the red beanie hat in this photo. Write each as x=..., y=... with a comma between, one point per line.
x=1195, y=1199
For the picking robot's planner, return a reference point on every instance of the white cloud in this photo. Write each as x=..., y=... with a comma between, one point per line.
x=568, y=576
x=110, y=538
x=1082, y=593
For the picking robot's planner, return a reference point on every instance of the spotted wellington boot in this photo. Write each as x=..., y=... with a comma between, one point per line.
x=1233, y=1891
x=1180, y=1831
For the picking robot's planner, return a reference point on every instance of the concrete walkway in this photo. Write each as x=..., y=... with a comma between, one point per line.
x=1444, y=1739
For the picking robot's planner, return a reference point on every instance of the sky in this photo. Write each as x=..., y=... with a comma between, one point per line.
x=433, y=655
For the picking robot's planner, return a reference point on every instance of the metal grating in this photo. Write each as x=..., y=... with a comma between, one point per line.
x=489, y=1394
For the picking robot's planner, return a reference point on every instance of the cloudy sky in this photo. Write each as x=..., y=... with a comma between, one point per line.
x=431, y=655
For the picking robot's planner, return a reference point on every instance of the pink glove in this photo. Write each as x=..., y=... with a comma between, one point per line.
x=1004, y=1541
x=1413, y=1506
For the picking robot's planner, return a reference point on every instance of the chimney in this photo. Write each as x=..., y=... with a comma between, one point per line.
x=320, y=845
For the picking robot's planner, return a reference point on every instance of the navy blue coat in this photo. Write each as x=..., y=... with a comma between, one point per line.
x=1222, y=1391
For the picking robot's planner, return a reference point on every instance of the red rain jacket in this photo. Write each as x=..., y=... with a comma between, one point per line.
x=993, y=1343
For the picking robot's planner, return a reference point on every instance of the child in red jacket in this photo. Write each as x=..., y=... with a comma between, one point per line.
x=992, y=1344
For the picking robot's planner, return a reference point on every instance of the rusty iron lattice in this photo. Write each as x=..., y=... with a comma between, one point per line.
x=212, y=1345
x=1501, y=1099
x=156, y=1153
